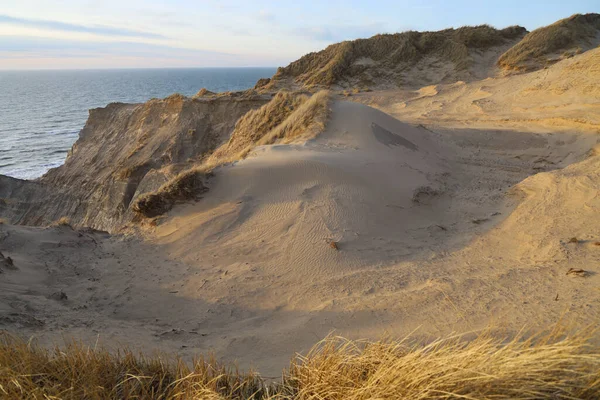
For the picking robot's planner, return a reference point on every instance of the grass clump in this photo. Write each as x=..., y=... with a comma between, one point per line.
x=306, y=122
x=187, y=185
x=546, y=367
x=257, y=123
x=78, y=372
x=63, y=221
x=204, y=92
x=288, y=116
x=568, y=36
x=549, y=366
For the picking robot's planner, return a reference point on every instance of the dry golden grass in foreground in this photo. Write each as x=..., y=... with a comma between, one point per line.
x=548, y=367
x=78, y=372
x=552, y=366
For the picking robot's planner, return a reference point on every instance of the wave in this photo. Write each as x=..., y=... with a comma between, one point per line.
x=32, y=172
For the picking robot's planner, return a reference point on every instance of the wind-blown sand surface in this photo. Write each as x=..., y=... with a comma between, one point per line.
x=561, y=98
x=451, y=226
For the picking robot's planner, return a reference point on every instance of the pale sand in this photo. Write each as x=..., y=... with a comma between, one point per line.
x=454, y=227
x=562, y=98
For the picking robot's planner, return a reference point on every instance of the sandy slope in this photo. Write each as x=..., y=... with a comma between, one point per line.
x=445, y=228
x=562, y=98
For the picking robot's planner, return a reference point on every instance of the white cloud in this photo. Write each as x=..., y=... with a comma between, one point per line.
x=340, y=33
x=266, y=16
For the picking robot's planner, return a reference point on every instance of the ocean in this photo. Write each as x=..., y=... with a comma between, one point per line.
x=42, y=112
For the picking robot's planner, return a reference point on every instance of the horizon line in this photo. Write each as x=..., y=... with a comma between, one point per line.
x=128, y=68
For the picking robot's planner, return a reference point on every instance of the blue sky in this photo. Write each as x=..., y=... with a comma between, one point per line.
x=38, y=34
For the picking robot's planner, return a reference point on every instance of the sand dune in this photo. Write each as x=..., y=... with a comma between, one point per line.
x=450, y=208
x=358, y=180
x=410, y=60
x=437, y=230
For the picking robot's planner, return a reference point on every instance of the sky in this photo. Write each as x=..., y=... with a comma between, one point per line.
x=81, y=34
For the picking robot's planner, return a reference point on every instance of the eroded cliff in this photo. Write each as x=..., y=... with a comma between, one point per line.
x=123, y=151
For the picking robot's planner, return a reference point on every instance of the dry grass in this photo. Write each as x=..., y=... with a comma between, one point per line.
x=567, y=36
x=549, y=366
x=187, y=185
x=306, y=122
x=78, y=372
x=287, y=116
x=63, y=221
x=136, y=170
x=257, y=123
x=262, y=82
x=544, y=367
x=204, y=92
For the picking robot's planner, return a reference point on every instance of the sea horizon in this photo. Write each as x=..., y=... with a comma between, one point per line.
x=127, y=68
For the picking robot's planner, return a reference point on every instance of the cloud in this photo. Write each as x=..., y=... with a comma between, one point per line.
x=27, y=44
x=340, y=33
x=67, y=27
x=266, y=16
x=19, y=51
x=235, y=30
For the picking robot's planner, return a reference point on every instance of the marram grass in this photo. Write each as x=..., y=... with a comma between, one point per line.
x=549, y=366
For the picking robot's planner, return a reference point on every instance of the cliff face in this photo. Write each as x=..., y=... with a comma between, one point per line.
x=123, y=151
x=408, y=59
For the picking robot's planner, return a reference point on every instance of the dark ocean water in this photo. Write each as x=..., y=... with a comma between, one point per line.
x=42, y=112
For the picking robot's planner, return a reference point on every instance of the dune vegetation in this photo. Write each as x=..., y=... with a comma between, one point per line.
x=549, y=366
x=185, y=186
x=396, y=51
x=567, y=36
x=287, y=117
x=63, y=221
